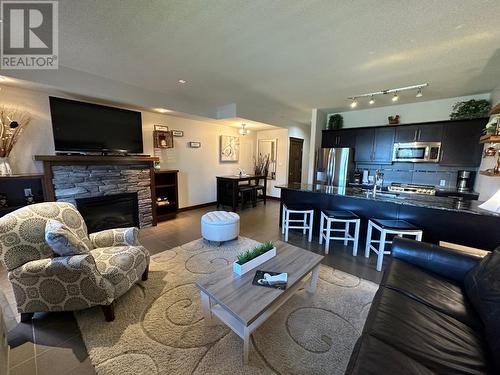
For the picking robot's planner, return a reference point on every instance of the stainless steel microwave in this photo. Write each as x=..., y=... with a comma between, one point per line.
x=417, y=152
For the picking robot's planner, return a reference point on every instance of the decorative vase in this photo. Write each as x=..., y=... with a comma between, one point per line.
x=241, y=269
x=5, y=169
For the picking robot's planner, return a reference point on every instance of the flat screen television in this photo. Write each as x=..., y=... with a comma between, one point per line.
x=85, y=127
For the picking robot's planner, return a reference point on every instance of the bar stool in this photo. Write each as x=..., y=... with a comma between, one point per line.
x=297, y=210
x=398, y=227
x=346, y=217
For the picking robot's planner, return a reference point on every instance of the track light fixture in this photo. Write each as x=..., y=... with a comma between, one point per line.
x=395, y=92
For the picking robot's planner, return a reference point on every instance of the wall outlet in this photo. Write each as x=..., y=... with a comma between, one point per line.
x=442, y=182
x=27, y=192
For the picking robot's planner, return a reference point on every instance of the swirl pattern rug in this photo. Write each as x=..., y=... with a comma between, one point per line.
x=159, y=326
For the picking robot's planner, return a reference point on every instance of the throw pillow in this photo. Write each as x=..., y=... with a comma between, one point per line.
x=62, y=240
x=482, y=286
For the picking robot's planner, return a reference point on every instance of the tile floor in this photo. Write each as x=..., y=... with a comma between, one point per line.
x=52, y=344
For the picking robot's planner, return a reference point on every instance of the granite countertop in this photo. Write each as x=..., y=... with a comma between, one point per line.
x=427, y=201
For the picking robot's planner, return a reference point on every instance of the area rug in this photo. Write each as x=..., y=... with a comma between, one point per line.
x=159, y=326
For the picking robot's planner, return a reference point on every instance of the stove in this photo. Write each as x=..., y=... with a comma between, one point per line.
x=412, y=188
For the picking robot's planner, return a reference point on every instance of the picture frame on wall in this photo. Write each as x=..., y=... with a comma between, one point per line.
x=161, y=128
x=163, y=139
x=178, y=133
x=229, y=151
x=194, y=144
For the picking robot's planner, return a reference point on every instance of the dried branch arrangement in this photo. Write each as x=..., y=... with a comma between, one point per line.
x=12, y=124
x=261, y=164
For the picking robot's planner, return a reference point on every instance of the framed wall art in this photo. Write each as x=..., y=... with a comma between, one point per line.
x=229, y=149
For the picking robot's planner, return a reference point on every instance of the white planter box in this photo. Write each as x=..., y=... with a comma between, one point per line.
x=242, y=269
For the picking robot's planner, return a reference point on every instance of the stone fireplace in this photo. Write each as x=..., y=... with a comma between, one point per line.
x=72, y=178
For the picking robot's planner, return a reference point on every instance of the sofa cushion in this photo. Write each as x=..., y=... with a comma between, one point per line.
x=437, y=292
x=436, y=340
x=374, y=357
x=482, y=285
x=62, y=240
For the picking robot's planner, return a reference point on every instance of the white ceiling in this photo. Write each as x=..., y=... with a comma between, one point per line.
x=285, y=56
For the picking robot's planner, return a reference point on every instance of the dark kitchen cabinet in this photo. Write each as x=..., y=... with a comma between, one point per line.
x=364, y=145
x=339, y=138
x=374, y=145
x=430, y=133
x=383, y=145
x=460, y=144
x=419, y=133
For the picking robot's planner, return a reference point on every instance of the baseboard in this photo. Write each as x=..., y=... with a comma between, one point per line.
x=273, y=198
x=188, y=208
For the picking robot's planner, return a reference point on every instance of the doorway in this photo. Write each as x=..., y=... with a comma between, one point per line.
x=295, y=160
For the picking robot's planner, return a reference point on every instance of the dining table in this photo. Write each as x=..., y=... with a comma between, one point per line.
x=228, y=188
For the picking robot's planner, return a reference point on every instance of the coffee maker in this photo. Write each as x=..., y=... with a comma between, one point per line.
x=465, y=181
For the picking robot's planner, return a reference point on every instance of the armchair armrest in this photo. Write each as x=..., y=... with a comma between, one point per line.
x=71, y=268
x=56, y=266
x=445, y=262
x=115, y=237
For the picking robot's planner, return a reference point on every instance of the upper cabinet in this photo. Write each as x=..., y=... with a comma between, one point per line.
x=374, y=145
x=460, y=143
x=339, y=138
x=419, y=133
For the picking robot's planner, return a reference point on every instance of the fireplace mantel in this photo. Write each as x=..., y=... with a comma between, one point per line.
x=101, y=159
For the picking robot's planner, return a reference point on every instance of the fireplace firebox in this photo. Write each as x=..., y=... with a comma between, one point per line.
x=109, y=211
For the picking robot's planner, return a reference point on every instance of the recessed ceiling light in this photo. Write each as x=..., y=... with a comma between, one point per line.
x=354, y=103
x=395, y=98
x=372, y=100
x=182, y=81
x=162, y=110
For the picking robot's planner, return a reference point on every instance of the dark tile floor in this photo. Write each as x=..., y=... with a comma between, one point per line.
x=52, y=344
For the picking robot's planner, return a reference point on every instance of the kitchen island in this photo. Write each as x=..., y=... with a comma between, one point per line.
x=440, y=218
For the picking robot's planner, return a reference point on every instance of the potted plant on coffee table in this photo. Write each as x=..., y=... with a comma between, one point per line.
x=254, y=257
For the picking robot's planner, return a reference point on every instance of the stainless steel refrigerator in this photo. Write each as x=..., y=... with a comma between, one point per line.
x=334, y=166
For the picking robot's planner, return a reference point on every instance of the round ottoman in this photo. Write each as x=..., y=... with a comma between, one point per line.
x=219, y=226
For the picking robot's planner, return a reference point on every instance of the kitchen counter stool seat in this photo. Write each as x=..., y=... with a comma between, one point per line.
x=388, y=227
x=298, y=209
x=326, y=232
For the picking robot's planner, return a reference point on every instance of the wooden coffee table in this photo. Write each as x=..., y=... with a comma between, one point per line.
x=243, y=307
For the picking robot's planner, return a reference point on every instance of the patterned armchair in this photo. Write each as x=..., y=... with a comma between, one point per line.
x=43, y=281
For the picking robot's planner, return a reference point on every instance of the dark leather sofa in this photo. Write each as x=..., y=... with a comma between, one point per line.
x=422, y=321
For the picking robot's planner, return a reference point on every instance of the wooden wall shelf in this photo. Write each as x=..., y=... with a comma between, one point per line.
x=490, y=139
x=489, y=174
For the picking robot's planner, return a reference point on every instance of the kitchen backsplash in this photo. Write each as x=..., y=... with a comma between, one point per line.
x=416, y=173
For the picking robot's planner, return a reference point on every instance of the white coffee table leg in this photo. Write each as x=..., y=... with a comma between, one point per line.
x=205, y=305
x=246, y=345
x=313, y=282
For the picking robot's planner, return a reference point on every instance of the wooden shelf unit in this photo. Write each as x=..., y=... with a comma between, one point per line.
x=165, y=184
x=13, y=187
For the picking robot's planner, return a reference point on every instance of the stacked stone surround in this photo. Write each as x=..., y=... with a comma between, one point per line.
x=83, y=181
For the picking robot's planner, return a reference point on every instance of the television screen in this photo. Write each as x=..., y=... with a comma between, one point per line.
x=79, y=126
